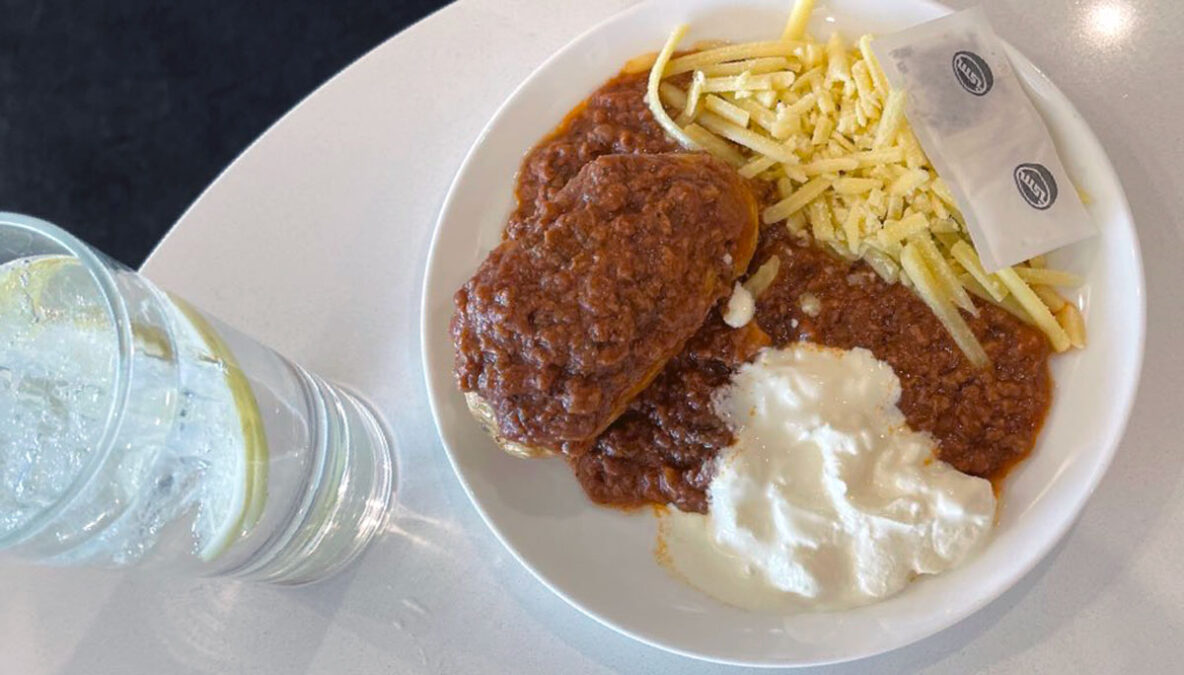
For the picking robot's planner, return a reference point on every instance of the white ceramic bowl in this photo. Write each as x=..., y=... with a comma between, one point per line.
x=601, y=560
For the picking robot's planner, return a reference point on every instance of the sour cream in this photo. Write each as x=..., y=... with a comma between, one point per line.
x=827, y=499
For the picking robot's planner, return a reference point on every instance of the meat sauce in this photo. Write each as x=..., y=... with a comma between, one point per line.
x=613, y=120
x=562, y=326
x=660, y=449
x=605, y=275
x=984, y=420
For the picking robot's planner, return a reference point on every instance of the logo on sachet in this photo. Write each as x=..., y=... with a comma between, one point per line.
x=973, y=73
x=1036, y=185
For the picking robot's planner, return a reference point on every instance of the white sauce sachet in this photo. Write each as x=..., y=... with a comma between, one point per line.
x=984, y=137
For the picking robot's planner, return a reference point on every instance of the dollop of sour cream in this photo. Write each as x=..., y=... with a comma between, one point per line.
x=827, y=499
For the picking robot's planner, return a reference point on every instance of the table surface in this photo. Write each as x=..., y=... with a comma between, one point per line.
x=438, y=593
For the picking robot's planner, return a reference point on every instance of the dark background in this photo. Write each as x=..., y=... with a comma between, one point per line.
x=114, y=115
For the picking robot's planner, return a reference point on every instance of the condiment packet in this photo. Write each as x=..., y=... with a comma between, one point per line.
x=984, y=137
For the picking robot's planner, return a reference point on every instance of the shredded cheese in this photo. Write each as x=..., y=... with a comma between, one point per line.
x=819, y=120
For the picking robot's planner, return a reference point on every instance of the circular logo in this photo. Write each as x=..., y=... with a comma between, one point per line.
x=973, y=73
x=1036, y=185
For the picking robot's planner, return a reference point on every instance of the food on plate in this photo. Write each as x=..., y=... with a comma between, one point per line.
x=614, y=120
x=565, y=323
x=984, y=420
x=829, y=398
x=826, y=499
x=819, y=121
x=660, y=450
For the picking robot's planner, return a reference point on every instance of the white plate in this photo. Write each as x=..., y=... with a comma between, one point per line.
x=601, y=560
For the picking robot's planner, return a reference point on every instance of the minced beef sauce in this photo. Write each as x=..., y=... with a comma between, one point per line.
x=613, y=120
x=660, y=449
x=561, y=327
x=984, y=420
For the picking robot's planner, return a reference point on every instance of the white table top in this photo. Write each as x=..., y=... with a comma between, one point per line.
x=439, y=594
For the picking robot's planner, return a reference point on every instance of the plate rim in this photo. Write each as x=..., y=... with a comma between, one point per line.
x=1099, y=470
